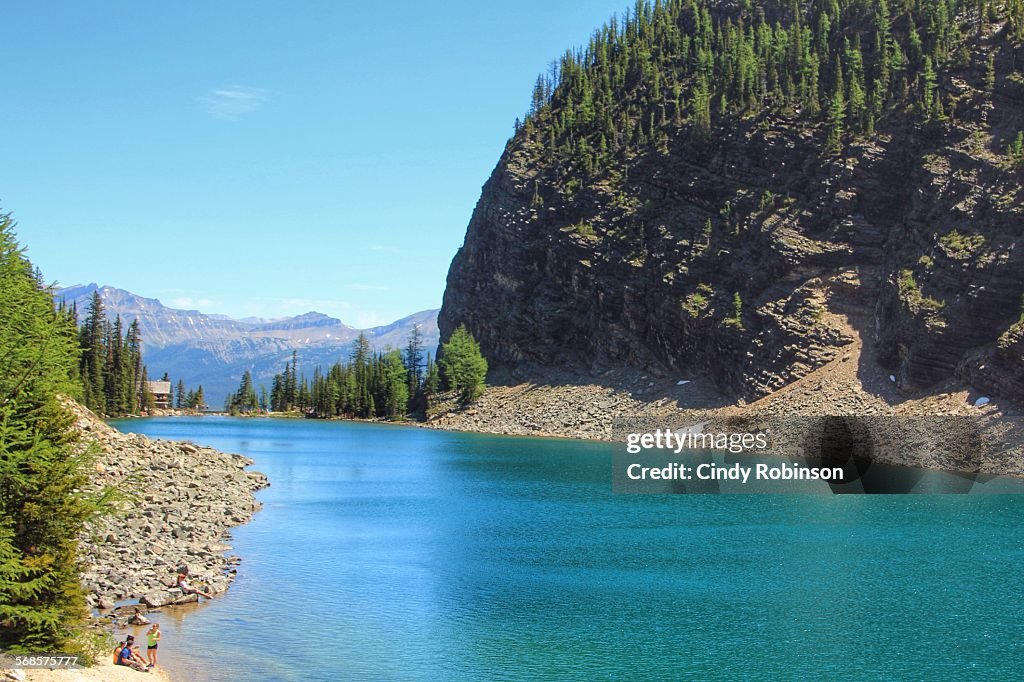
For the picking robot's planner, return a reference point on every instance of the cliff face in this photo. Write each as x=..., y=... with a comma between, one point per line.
x=725, y=254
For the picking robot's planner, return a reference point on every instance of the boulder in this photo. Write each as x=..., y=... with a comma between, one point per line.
x=157, y=599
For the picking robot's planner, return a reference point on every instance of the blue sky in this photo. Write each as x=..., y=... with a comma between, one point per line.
x=265, y=158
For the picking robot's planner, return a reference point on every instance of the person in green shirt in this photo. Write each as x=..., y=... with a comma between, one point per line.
x=152, y=641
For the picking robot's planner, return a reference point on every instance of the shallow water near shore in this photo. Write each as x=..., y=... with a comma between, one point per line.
x=397, y=553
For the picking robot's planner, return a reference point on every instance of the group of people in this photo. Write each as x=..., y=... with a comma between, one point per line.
x=127, y=653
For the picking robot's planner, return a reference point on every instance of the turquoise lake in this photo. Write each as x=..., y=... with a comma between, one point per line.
x=398, y=553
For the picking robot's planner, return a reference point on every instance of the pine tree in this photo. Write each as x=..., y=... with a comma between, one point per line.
x=990, y=73
x=291, y=383
x=856, y=95
x=836, y=111
x=432, y=380
x=181, y=401
x=414, y=360
x=244, y=399
x=42, y=508
x=94, y=354
x=394, y=387
x=147, y=402
x=463, y=367
x=1015, y=151
x=133, y=342
x=928, y=89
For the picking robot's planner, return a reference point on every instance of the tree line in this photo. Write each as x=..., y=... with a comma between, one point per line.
x=391, y=384
x=114, y=380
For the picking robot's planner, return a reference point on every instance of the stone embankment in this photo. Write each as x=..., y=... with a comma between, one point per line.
x=176, y=504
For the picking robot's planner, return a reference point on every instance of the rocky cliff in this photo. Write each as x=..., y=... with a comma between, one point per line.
x=728, y=252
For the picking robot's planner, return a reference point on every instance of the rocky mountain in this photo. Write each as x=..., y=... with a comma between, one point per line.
x=708, y=187
x=214, y=350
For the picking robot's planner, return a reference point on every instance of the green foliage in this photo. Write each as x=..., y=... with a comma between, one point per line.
x=689, y=66
x=836, y=112
x=384, y=385
x=111, y=368
x=583, y=229
x=911, y=294
x=463, y=366
x=244, y=400
x=737, y=312
x=926, y=261
x=961, y=246
x=395, y=389
x=697, y=302
x=42, y=508
x=432, y=381
x=1015, y=151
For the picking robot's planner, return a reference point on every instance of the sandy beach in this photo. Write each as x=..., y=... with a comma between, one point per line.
x=102, y=672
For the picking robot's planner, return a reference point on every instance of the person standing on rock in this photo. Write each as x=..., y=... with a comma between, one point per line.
x=152, y=641
x=183, y=583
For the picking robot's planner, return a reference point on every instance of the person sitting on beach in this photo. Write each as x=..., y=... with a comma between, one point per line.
x=130, y=658
x=186, y=588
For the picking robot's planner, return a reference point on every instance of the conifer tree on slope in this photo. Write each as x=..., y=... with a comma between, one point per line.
x=42, y=508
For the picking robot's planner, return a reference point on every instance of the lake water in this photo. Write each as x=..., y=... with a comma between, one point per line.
x=397, y=553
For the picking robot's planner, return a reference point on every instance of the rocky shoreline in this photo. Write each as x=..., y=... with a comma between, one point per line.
x=177, y=503
x=567, y=405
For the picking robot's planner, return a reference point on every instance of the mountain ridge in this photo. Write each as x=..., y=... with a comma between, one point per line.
x=214, y=350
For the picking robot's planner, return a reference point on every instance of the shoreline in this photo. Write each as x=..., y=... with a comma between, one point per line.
x=564, y=404
x=568, y=410
x=176, y=507
x=574, y=408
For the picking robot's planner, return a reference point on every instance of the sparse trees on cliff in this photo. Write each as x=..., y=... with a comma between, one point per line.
x=693, y=64
x=1015, y=152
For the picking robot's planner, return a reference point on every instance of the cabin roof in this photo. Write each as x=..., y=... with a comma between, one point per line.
x=159, y=387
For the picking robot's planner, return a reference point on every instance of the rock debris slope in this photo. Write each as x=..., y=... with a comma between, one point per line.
x=178, y=502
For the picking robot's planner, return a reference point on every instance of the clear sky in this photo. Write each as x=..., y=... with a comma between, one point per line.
x=265, y=158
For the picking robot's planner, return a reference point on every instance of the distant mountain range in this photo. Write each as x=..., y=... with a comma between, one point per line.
x=215, y=350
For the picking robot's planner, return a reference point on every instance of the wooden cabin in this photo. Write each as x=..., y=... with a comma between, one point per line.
x=161, y=391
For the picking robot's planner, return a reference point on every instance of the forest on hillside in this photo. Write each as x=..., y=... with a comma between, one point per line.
x=842, y=64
